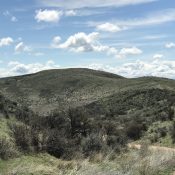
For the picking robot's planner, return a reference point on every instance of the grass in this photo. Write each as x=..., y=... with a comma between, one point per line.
x=4, y=130
x=31, y=164
x=153, y=132
x=133, y=162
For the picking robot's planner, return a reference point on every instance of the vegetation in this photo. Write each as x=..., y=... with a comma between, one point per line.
x=88, y=115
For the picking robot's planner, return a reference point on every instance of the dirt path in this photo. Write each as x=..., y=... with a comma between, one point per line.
x=153, y=148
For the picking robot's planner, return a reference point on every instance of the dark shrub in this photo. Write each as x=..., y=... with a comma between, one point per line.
x=23, y=136
x=56, y=143
x=134, y=130
x=162, y=131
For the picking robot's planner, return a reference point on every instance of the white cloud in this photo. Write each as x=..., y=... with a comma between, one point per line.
x=48, y=15
x=79, y=42
x=159, y=68
x=158, y=56
x=16, y=68
x=170, y=45
x=95, y=3
x=82, y=42
x=70, y=13
x=6, y=41
x=21, y=47
x=108, y=27
x=130, y=51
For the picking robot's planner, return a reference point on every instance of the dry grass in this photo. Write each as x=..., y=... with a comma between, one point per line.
x=134, y=162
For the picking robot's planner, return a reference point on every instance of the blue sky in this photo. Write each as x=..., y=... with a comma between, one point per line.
x=128, y=37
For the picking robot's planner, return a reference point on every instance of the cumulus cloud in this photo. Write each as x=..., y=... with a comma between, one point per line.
x=21, y=47
x=108, y=27
x=82, y=42
x=95, y=3
x=48, y=15
x=79, y=42
x=6, y=41
x=16, y=68
x=170, y=45
x=159, y=68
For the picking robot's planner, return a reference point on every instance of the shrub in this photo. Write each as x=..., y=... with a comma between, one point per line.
x=92, y=144
x=162, y=131
x=22, y=135
x=7, y=148
x=134, y=130
x=57, y=144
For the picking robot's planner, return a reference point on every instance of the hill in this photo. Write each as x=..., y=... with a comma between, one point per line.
x=48, y=90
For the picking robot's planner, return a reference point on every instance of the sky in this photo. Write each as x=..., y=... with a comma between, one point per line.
x=132, y=38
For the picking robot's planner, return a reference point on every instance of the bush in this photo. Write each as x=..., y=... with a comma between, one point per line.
x=23, y=136
x=56, y=144
x=7, y=148
x=162, y=131
x=92, y=144
x=134, y=130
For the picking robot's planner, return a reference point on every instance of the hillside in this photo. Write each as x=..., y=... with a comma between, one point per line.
x=83, y=114
x=52, y=89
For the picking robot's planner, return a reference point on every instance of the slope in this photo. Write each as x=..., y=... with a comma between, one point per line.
x=53, y=89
